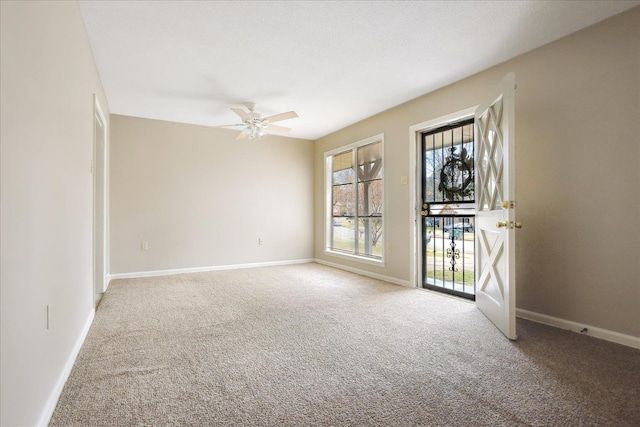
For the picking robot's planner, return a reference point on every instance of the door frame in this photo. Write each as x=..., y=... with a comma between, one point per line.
x=100, y=156
x=415, y=164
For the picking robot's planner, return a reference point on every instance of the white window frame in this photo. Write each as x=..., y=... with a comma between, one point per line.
x=328, y=201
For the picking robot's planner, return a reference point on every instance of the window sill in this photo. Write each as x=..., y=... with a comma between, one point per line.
x=365, y=260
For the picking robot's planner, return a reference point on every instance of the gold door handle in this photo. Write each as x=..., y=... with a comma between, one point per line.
x=505, y=224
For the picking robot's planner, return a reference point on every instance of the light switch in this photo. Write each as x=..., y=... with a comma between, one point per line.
x=404, y=180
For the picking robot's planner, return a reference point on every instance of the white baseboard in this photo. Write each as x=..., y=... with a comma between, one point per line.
x=592, y=331
x=156, y=273
x=50, y=406
x=366, y=273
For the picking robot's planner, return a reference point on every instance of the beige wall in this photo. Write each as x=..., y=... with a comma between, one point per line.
x=577, y=160
x=47, y=81
x=200, y=198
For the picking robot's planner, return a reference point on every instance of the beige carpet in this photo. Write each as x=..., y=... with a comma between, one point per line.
x=308, y=345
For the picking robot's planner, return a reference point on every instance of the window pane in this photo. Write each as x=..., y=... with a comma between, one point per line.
x=449, y=165
x=429, y=165
x=370, y=237
x=343, y=235
x=343, y=168
x=438, y=162
x=370, y=198
x=343, y=203
x=344, y=176
x=370, y=162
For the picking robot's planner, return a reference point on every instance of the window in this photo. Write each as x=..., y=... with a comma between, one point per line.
x=354, y=198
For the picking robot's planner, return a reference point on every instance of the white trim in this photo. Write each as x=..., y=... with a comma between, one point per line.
x=365, y=273
x=155, y=273
x=592, y=331
x=362, y=142
x=99, y=118
x=107, y=192
x=52, y=401
x=415, y=250
x=353, y=257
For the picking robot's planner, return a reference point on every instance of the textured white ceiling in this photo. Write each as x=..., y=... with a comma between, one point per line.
x=334, y=63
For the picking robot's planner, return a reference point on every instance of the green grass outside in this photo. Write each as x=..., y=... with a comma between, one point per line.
x=347, y=245
x=451, y=276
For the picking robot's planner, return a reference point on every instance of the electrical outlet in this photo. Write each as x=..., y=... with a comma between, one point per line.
x=404, y=180
x=144, y=246
x=260, y=241
x=389, y=247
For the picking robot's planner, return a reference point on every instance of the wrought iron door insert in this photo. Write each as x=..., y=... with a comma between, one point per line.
x=448, y=209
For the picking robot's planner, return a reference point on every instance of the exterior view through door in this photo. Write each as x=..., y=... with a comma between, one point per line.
x=467, y=201
x=448, y=209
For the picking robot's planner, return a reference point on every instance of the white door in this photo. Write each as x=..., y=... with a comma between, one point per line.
x=495, y=208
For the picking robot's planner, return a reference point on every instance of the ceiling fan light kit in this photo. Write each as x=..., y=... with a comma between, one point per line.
x=254, y=125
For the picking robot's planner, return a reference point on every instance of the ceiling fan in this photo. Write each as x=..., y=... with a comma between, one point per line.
x=254, y=125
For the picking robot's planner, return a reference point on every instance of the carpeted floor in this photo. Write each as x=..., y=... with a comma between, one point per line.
x=308, y=345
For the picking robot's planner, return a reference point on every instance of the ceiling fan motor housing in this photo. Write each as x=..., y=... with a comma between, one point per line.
x=255, y=125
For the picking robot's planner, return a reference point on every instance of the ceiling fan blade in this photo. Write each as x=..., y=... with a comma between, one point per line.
x=226, y=126
x=281, y=116
x=276, y=128
x=242, y=135
x=240, y=112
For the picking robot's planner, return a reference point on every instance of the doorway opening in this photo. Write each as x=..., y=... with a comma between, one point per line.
x=448, y=209
x=99, y=168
